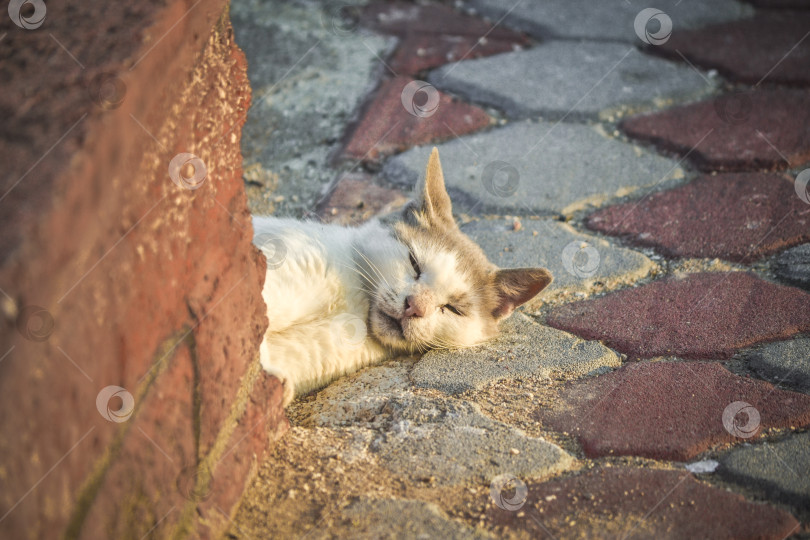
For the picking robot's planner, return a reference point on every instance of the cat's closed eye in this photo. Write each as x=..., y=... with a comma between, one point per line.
x=452, y=309
x=415, y=265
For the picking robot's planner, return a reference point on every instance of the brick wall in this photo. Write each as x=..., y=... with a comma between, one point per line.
x=130, y=305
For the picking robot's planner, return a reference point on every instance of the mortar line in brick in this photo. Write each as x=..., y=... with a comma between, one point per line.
x=43, y=156
x=643, y=519
x=165, y=34
x=183, y=337
x=558, y=122
x=65, y=49
x=158, y=522
x=450, y=70
x=72, y=362
x=148, y=132
x=46, y=474
x=650, y=192
x=112, y=248
x=782, y=59
x=267, y=93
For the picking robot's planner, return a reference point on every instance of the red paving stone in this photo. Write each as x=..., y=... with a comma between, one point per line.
x=356, y=199
x=735, y=132
x=769, y=47
x=700, y=316
x=640, y=503
x=667, y=410
x=739, y=217
x=387, y=127
x=433, y=35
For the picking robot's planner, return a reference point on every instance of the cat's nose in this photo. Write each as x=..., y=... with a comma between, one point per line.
x=413, y=308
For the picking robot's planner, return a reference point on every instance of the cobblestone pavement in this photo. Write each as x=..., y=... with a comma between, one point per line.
x=656, y=160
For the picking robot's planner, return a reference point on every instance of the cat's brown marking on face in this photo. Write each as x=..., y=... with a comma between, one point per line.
x=459, y=271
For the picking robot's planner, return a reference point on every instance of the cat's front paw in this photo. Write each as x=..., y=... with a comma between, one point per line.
x=288, y=388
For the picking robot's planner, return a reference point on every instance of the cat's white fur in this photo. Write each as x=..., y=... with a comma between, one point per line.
x=340, y=298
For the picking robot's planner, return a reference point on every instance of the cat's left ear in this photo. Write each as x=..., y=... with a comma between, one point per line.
x=516, y=286
x=431, y=195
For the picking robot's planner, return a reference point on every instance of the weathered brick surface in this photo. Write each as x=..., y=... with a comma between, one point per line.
x=668, y=410
x=387, y=126
x=95, y=231
x=768, y=47
x=700, y=316
x=738, y=217
x=760, y=129
x=640, y=503
x=355, y=199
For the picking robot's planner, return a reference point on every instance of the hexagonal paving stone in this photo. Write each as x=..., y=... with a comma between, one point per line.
x=577, y=261
x=737, y=217
x=785, y=363
x=583, y=19
x=794, y=266
x=524, y=349
x=356, y=198
x=763, y=129
x=537, y=168
x=705, y=315
x=570, y=79
x=770, y=47
x=669, y=410
x=386, y=126
x=778, y=468
x=432, y=35
x=639, y=503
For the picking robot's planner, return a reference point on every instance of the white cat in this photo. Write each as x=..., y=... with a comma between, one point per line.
x=340, y=298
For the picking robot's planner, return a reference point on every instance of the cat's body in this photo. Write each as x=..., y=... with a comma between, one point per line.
x=340, y=298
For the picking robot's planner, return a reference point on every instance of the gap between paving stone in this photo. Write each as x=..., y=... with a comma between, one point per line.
x=572, y=80
x=579, y=263
x=585, y=19
x=542, y=168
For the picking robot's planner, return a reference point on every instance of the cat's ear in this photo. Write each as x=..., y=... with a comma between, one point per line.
x=516, y=286
x=431, y=196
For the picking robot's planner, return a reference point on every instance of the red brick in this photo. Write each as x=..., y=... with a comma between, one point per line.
x=387, y=127
x=667, y=410
x=698, y=316
x=768, y=47
x=356, y=199
x=737, y=217
x=640, y=503
x=763, y=129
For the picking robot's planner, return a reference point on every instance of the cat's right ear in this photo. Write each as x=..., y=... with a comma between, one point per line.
x=516, y=286
x=431, y=195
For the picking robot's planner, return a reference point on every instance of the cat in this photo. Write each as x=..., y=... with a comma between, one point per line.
x=341, y=298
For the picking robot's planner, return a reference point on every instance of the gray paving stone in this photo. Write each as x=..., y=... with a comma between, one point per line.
x=793, y=266
x=785, y=363
x=779, y=468
x=577, y=261
x=524, y=349
x=404, y=518
x=308, y=74
x=604, y=20
x=446, y=439
x=565, y=79
x=537, y=168
x=451, y=442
